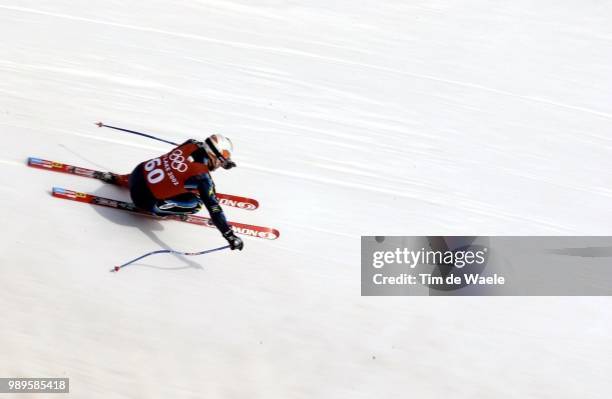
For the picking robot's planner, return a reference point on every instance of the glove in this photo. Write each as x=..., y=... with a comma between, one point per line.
x=234, y=242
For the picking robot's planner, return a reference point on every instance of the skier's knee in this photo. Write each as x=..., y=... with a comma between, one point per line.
x=183, y=204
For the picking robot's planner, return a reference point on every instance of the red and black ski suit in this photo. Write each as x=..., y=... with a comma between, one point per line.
x=177, y=182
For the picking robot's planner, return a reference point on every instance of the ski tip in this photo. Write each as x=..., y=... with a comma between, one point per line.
x=116, y=269
x=99, y=124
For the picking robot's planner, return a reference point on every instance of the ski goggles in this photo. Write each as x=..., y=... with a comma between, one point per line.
x=226, y=163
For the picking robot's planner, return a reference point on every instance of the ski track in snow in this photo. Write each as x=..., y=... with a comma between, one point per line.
x=349, y=118
x=312, y=55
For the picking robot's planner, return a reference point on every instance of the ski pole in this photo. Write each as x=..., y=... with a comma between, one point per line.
x=100, y=124
x=167, y=251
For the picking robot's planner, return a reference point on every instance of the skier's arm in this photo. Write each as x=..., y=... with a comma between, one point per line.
x=206, y=188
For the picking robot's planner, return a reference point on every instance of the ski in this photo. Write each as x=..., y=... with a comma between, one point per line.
x=224, y=199
x=239, y=228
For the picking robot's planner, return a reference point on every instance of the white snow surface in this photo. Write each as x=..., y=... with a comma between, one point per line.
x=349, y=118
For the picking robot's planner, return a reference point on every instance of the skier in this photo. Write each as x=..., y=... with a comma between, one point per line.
x=179, y=182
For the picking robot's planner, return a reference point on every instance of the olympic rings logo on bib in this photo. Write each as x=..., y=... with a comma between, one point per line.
x=155, y=172
x=178, y=161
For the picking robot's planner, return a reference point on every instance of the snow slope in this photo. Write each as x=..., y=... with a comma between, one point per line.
x=349, y=118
